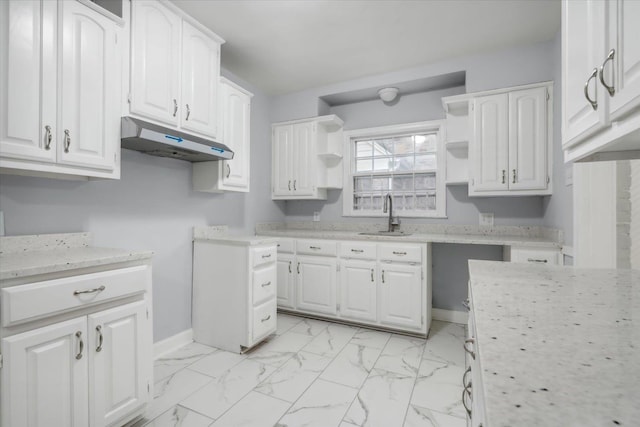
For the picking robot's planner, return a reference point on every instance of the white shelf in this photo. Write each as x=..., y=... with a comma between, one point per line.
x=330, y=156
x=460, y=144
x=466, y=182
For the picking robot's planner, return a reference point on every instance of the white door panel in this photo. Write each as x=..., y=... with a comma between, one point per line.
x=316, y=283
x=358, y=290
x=401, y=295
x=489, y=148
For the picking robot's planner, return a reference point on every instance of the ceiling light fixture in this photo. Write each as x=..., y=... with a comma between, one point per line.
x=388, y=94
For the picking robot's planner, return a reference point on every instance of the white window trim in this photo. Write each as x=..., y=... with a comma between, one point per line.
x=436, y=126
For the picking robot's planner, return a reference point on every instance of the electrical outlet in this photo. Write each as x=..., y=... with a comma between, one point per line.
x=316, y=216
x=486, y=219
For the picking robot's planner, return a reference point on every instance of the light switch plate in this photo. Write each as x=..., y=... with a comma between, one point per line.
x=316, y=216
x=486, y=219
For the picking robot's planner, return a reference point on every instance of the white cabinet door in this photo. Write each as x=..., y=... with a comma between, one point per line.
x=489, y=147
x=237, y=123
x=155, y=62
x=304, y=159
x=282, y=160
x=623, y=36
x=582, y=52
x=28, y=80
x=44, y=377
x=317, y=277
x=90, y=123
x=358, y=290
x=401, y=295
x=528, y=139
x=286, y=281
x=119, y=349
x=200, y=75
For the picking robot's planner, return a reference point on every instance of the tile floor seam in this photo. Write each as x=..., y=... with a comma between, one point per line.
x=415, y=381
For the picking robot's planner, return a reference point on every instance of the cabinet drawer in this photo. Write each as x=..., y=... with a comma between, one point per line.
x=403, y=253
x=536, y=256
x=264, y=283
x=41, y=299
x=286, y=246
x=264, y=255
x=264, y=320
x=360, y=250
x=317, y=247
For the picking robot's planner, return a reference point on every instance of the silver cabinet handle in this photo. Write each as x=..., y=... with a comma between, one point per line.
x=47, y=137
x=465, y=304
x=466, y=392
x=79, y=337
x=289, y=185
x=594, y=103
x=264, y=319
x=99, y=331
x=266, y=256
x=175, y=107
x=382, y=276
x=399, y=253
x=536, y=260
x=298, y=268
x=264, y=285
x=464, y=377
x=357, y=251
x=289, y=266
x=315, y=248
x=188, y=112
x=294, y=185
x=514, y=176
x=471, y=353
x=504, y=176
x=228, y=170
x=90, y=291
x=611, y=89
x=67, y=140
x=372, y=275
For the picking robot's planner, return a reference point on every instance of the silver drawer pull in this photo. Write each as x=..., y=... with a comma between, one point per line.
x=316, y=248
x=266, y=318
x=100, y=339
x=399, y=253
x=264, y=285
x=266, y=256
x=67, y=140
x=464, y=377
x=471, y=353
x=357, y=251
x=79, y=337
x=90, y=291
x=47, y=137
x=465, y=304
x=289, y=266
x=536, y=260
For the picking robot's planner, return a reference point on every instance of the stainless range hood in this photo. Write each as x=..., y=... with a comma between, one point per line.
x=160, y=141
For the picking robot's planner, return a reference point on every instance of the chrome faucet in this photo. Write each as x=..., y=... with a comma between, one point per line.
x=388, y=203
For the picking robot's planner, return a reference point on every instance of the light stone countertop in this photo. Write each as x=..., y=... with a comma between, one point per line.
x=220, y=234
x=557, y=346
x=23, y=256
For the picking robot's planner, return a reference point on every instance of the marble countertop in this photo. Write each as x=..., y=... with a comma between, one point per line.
x=23, y=256
x=220, y=234
x=557, y=346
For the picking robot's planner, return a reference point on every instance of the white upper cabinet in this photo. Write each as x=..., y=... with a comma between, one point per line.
x=175, y=68
x=60, y=115
x=155, y=65
x=300, y=153
x=510, y=148
x=235, y=133
x=600, y=80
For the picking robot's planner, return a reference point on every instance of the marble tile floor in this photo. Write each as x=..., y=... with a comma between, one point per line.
x=315, y=373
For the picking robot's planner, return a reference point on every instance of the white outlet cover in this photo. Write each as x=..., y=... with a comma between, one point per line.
x=486, y=219
x=316, y=216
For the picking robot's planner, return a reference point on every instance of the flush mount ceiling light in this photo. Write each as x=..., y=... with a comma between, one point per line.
x=388, y=94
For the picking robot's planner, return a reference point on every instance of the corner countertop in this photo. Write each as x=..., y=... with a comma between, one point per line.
x=24, y=256
x=557, y=346
x=220, y=234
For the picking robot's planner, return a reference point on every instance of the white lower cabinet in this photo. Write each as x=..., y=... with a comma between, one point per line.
x=401, y=295
x=317, y=278
x=358, y=290
x=286, y=280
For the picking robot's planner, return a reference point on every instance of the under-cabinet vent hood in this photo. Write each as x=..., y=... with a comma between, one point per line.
x=160, y=141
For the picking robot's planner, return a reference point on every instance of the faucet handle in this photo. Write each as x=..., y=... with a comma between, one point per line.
x=395, y=220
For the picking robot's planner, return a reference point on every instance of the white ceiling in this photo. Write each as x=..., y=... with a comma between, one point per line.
x=283, y=46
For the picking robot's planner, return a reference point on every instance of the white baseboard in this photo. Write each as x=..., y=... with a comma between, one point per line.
x=450, y=316
x=174, y=342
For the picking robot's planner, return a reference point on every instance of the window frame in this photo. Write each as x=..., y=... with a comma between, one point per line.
x=349, y=158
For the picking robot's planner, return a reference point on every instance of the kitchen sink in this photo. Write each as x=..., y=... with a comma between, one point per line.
x=385, y=233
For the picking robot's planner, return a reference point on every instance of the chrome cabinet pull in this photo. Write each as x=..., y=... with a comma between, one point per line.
x=289, y=185
x=594, y=103
x=471, y=353
x=399, y=253
x=264, y=319
x=289, y=266
x=611, y=89
x=298, y=268
x=188, y=112
x=464, y=377
x=175, y=107
x=294, y=185
x=99, y=331
x=47, y=137
x=465, y=304
x=372, y=275
x=228, y=170
x=90, y=291
x=504, y=176
x=264, y=285
x=466, y=392
x=357, y=251
x=79, y=337
x=536, y=260
x=266, y=256
x=67, y=140
x=382, y=276
x=316, y=248
x=514, y=176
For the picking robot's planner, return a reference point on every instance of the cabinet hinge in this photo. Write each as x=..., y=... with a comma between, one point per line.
x=129, y=98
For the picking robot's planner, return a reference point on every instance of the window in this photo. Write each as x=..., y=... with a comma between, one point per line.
x=402, y=160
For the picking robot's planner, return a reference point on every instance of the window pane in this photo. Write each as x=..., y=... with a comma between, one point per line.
x=421, y=202
x=403, y=182
x=363, y=165
x=425, y=181
x=431, y=202
x=404, y=145
x=382, y=164
x=363, y=183
x=383, y=147
x=381, y=183
x=425, y=143
x=408, y=202
x=403, y=164
x=426, y=161
x=364, y=148
x=377, y=202
x=398, y=203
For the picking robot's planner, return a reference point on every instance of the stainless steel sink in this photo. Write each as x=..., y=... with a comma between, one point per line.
x=385, y=233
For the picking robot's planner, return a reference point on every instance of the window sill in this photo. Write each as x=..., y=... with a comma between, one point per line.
x=373, y=215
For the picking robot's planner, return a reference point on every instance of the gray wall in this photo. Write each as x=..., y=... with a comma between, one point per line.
x=151, y=207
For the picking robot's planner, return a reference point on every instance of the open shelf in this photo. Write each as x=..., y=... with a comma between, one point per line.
x=458, y=144
x=465, y=182
x=330, y=156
